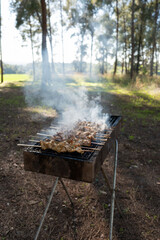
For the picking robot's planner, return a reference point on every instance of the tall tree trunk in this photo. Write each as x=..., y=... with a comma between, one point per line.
x=154, y=37
x=139, y=48
x=117, y=33
x=157, y=60
x=81, y=52
x=92, y=35
x=125, y=44
x=132, y=40
x=50, y=36
x=61, y=15
x=102, y=70
x=32, y=48
x=122, y=69
x=1, y=63
x=46, y=76
x=141, y=34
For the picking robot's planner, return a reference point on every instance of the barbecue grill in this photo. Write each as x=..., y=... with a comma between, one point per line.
x=75, y=166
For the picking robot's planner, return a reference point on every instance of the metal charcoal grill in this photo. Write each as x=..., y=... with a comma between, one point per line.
x=81, y=167
x=76, y=166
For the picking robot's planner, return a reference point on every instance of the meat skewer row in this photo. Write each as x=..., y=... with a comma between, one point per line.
x=79, y=150
x=94, y=143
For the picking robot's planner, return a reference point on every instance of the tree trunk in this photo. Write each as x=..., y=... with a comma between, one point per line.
x=157, y=60
x=154, y=38
x=50, y=37
x=139, y=48
x=141, y=34
x=132, y=40
x=46, y=76
x=125, y=44
x=102, y=70
x=91, y=54
x=81, y=53
x=1, y=63
x=61, y=15
x=117, y=32
x=122, y=70
x=32, y=48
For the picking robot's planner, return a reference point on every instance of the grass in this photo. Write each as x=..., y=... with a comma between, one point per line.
x=140, y=100
x=15, y=80
x=13, y=101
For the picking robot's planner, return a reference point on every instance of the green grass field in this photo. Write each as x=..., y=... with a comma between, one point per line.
x=143, y=97
x=15, y=80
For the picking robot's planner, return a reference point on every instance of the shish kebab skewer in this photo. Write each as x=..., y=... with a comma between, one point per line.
x=38, y=141
x=48, y=135
x=84, y=147
x=37, y=146
x=98, y=135
x=80, y=137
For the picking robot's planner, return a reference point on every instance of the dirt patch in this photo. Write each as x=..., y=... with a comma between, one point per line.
x=23, y=195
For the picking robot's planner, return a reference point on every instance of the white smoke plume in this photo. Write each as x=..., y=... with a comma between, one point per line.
x=71, y=103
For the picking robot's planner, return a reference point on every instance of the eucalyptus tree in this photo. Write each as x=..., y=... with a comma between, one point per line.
x=80, y=22
x=117, y=36
x=105, y=41
x=92, y=24
x=50, y=33
x=81, y=19
x=1, y=63
x=124, y=35
x=142, y=16
x=156, y=12
x=62, y=35
x=25, y=9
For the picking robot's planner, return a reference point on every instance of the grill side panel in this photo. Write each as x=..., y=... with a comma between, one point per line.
x=60, y=167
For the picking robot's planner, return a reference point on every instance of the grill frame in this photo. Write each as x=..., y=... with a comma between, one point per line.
x=69, y=166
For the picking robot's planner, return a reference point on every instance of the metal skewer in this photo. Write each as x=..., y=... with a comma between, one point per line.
x=48, y=135
x=100, y=144
x=98, y=135
x=37, y=146
x=28, y=145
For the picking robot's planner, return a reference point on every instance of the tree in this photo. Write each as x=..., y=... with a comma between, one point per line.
x=1, y=63
x=24, y=10
x=132, y=40
x=46, y=76
x=117, y=33
x=154, y=36
x=61, y=16
x=105, y=40
x=50, y=35
x=142, y=25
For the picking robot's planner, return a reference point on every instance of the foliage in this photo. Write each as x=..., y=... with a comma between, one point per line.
x=99, y=27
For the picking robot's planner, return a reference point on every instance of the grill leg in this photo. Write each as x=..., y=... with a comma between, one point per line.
x=113, y=190
x=45, y=212
x=66, y=191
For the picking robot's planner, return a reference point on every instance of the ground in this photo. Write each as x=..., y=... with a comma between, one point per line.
x=23, y=195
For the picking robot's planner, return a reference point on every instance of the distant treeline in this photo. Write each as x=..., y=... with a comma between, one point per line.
x=69, y=68
x=13, y=69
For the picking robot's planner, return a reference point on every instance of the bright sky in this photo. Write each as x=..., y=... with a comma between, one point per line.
x=12, y=50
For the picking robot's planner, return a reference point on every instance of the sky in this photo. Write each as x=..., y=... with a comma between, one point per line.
x=13, y=49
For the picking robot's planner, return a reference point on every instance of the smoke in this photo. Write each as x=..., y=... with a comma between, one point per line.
x=72, y=103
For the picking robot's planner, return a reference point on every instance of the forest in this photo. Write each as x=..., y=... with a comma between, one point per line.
x=117, y=36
